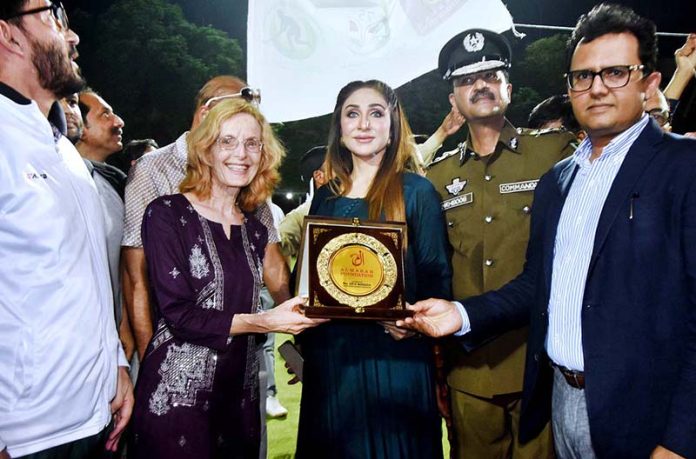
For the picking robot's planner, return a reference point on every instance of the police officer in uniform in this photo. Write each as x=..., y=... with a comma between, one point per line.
x=487, y=185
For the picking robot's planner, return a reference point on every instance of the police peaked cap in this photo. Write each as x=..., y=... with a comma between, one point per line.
x=474, y=50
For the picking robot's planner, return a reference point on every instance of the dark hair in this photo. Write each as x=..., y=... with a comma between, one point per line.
x=553, y=108
x=607, y=18
x=385, y=196
x=136, y=148
x=312, y=161
x=84, y=108
x=10, y=8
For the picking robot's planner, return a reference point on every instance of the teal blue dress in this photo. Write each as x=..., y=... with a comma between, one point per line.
x=366, y=395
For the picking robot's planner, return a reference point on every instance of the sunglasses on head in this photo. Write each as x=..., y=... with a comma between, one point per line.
x=253, y=96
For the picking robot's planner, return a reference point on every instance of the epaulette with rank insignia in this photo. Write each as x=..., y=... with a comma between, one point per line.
x=445, y=155
x=538, y=132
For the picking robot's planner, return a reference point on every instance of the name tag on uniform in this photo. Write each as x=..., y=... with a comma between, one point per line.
x=529, y=185
x=458, y=201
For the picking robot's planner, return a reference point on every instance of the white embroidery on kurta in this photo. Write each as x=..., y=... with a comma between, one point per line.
x=186, y=370
x=211, y=296
x=198, y=262
x=174, y=272
x=182, y=220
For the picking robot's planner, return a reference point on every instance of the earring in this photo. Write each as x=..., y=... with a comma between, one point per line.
x=389, y=141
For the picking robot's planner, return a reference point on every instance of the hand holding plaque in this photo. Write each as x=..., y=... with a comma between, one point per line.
x=352, y=270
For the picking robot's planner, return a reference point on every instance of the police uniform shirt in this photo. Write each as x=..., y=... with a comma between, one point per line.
x=487, y=202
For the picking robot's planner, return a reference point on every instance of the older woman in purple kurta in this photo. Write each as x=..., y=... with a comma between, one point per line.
x=197, y=392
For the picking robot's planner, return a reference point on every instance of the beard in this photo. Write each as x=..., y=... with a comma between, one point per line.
x=74, y=134
x=55, y=69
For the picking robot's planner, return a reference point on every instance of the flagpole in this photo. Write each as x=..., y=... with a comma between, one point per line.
x=570, y=29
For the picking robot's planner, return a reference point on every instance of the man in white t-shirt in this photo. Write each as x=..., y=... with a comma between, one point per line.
x=64, y=385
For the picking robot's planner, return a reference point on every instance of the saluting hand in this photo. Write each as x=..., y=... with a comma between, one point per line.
x=452, y=122
x=685, y=57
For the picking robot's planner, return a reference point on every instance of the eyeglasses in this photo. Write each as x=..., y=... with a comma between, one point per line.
x=253, y=96
x=231, y=143
x=662, y=117
x=468, y=80
x=57, y=9
x=613, y=77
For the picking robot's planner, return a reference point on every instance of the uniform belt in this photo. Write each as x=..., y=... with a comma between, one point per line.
x=574, y=378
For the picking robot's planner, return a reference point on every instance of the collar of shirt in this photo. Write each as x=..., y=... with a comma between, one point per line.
x=55, y=116
x=508, y=140
x=13, y=95
x=90, y=166
x=616, y=149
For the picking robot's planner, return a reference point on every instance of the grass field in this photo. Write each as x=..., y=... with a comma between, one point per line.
x=282, y=433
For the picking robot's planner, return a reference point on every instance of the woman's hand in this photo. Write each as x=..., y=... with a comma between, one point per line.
x=288, y=317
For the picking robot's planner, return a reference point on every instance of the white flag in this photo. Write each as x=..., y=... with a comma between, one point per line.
x=301, y=52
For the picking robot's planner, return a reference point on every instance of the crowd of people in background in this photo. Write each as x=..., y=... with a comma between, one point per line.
x=559, y=256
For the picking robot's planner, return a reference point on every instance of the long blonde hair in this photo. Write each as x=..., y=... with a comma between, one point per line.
x=201, y=140
x=385, y=196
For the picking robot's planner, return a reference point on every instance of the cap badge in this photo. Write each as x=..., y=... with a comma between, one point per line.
x=456, y=186
x=474, y=42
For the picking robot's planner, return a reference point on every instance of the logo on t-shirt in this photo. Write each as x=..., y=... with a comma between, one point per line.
x=37, y=175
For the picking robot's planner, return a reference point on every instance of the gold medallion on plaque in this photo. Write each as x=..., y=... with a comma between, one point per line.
x=350, y=269
x=357, y=269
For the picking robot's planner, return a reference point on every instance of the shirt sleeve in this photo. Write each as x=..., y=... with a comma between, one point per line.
x=170, y=281
x=265, y=216
x=291, y=230
x=140, y=191
x=428, y=149
x=466, y=325
x=122, y=360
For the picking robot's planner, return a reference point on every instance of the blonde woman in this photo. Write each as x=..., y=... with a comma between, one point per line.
x=197, y=393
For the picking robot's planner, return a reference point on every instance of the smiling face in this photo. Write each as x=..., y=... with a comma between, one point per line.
x=365, y=123
x=481, y=95
x=606, y=112
x=236, y=167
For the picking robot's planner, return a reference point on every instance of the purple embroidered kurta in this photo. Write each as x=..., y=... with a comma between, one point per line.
x=197, y=391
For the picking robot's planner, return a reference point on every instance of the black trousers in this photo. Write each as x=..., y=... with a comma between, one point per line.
x=84, y=448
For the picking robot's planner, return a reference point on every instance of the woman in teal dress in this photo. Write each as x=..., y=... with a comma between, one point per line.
x=369, y=388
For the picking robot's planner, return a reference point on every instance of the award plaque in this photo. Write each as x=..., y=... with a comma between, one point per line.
x=352, y=269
